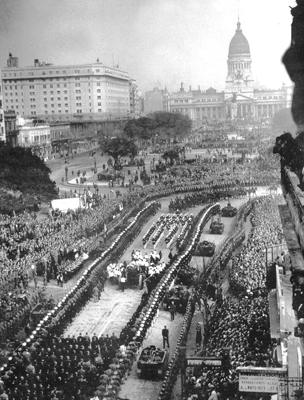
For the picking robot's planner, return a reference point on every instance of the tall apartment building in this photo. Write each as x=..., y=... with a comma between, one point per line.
x=156, y=100
x=47, y=90
x=2, y=124
x=134, y=100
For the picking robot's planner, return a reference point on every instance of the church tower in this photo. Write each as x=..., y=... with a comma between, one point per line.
x=239, y=77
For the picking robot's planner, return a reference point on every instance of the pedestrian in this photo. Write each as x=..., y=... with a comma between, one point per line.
x=34, y=274
x=213, y=394
x=123, y=279
x=198, y=337
x=172, y=311
x=165, y=335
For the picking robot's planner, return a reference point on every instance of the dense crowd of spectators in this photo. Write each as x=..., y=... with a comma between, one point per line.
x=219, y=172
x=242, y=327
x=248, y=271
x=32, y=245
x=51, y=246
x=59, y=368
x=240, y=321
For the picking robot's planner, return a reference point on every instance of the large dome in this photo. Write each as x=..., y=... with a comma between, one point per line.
x=239, y=44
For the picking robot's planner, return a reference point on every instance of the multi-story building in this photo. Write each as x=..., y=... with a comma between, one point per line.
x=61, y=92
x=60, y=131
x=156, y=100
x=200, y=106
x=2, y=124
x=35, y=136
x=240, y=99
x=11, y=131
x=134, y=100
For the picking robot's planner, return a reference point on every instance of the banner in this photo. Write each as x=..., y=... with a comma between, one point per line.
x=64, y=205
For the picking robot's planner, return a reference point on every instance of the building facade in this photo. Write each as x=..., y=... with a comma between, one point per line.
x=240, y=99
x=2, y=124
x=156, y=100
x=61, y=92
x=37, y=137
x=135, y=111
x=11, y=131
x=200, y=106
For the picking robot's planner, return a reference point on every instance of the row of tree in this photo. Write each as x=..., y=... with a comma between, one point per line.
x=158, y=127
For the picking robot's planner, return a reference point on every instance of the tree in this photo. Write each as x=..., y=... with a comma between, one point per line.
x=171, y=155
x=172, y=125
x=163, y=124
x=24, y=179
x=119, y=147
x=141, y=128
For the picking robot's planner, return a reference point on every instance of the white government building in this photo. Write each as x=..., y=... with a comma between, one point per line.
x=240, y=99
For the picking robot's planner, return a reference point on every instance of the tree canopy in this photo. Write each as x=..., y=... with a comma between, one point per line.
x=171, y=155
x=166, y=125
x=23, y=176
x=119, y=147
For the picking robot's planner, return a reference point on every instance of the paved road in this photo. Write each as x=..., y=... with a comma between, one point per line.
x=135, y=388
x=112, y=312
x=108, y=315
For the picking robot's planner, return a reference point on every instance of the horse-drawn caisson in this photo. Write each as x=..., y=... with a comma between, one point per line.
x=229, y=211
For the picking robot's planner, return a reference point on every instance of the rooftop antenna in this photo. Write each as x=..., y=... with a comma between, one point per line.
x=113, y=59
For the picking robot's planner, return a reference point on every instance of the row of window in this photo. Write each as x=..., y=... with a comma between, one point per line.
x=59, y=110
x=33, y=99
x=114, y=85
x=270, y=97
x=51, y=72
x=51, y=85
x=213, y=100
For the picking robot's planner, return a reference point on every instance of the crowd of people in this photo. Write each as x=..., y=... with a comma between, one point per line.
x=138, y=270
x=52, y=246
x=239, y=321
x=248, y=271
x=64, y=368
x=219, y=172
x=67, y=367
x=242, y=327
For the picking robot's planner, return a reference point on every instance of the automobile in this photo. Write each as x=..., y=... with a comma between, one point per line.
x=205, y=249
x=229, y=211
x=217, y=227
x=152, y=362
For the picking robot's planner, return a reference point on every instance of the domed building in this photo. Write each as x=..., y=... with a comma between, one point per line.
x=239, y=93
x=240, y=99
x=239, y=77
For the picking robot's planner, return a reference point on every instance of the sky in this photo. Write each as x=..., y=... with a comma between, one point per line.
x=159, y=42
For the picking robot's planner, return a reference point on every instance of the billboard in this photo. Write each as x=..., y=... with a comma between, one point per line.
x=261, y=380
x=258, y=383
